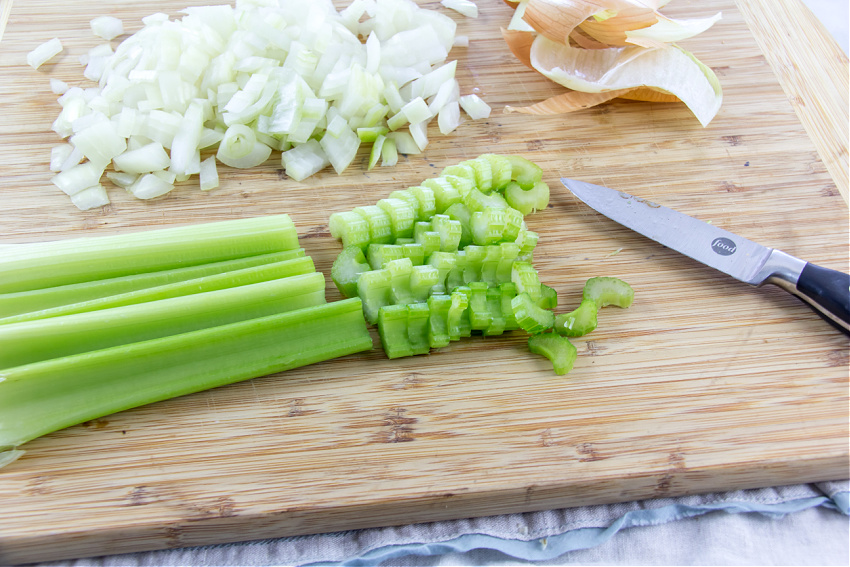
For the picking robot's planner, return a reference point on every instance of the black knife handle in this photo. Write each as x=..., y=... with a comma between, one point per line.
x=827, y=292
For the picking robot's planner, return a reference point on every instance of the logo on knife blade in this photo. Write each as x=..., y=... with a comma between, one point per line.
x=723, y=246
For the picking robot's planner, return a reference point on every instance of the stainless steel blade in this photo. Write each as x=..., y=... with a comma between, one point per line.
x=720, y=249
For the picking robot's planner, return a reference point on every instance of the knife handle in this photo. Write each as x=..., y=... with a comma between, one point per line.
x=824, y=290
x=828, y=292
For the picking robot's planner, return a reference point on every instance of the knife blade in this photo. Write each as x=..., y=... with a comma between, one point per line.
x=824, y=290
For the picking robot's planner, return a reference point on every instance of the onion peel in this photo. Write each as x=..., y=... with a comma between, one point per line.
x=569, y=101
x=519, y=42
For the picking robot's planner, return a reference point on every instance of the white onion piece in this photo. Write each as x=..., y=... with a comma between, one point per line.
x=404, y=142
x=107, y=27
x=90, y=198
x=208, y=174
x=58, y=86
x=304, y=160
x=121, y=179
x=147, y=159
x=464, y=7
x=151, y=185
x=474, y=106
x=77, y=178
x=449, y=118
x=44, y=53
x=58, y=155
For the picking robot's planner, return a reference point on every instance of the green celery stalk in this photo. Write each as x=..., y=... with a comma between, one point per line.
x=39, y=398
x=43, y=339
x=50, y=264
x=236, y=278
x=39, y=299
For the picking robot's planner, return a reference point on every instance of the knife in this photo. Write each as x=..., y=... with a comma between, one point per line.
x=826, y=291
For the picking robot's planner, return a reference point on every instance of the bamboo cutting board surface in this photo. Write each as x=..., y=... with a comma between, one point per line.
x=704, y=384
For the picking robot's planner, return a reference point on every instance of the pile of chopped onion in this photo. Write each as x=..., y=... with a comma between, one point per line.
x=602, y=50
x=231, y=85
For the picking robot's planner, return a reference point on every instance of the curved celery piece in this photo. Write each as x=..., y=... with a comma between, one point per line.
x=514, y=223
x=524, y=172
x=347, y=267
x=527, y=201
x=379, y=254
x=501, y=170
x=373, y=289
x=455, y=276
x=475, y=256
x=351, y=228
x=438, y=332
x=527, y=241
x=427, y=202
x=413, y=251
x=529, y=316
x=548, y=297
x=424, y=235
x=490, y=265
x=450, y=232
x=47, y=396
x=458, y=323
x=559, y=350
x=508, y=254
x=578, y=322
x=402, y=216
x=463, y=185
x=459, y=170
x=461, y=214
x=526, y=279
x=487, y=226
x=443, y=262
x=480, y=317
x=494, y=304
x=423, y=280
x=407, y=196
x=483, y=173
x=393, y=332
x=418, y=316
x=507, y=291
x=606, y=291
x=400, y=272
x=476, y=200
x=445, y=194
x=380, y=223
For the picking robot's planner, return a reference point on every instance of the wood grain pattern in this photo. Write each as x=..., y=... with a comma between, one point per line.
x=704, y=384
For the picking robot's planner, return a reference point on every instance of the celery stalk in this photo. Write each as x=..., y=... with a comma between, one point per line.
x=39, y=398
x=43, y=339
x=232, y=279
x=39, y=299
x=49, y=264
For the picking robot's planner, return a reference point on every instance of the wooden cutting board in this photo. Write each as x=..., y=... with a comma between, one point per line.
x=704, y=384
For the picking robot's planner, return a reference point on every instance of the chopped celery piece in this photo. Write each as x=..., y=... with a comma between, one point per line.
x=445, y=195
x=423, y=280
x=548, y=297
x=438, y=332
x=55, y=337
x=380, y=223
x=49, y=264
x=483, y=173
x=402, y=216
x=418, y=315
x=526, y=279
x=443, y=262
x=529, y=316
x=459, y=170
x=559, y=350
x=524, y=172
x=463, y=185
x=37, y=399
x=379, y=254
x=507, y=290
x=351, y=228
x=460, y=213
x=375, y=153
x=455, y=276
x=426, y=237
x=458, y=323
x=400, y=272
x=527, y=201
x=224, y=280
x=578, y=322
x=494, y=305
x=371, y=133
x=527, y=241
x=509, y=251
x=408, y=196
x=606, y=291
x=373, y=289
x=490, y=265
x=487, y=226
x=513, y=224
x=475, y=256
x=414, y=251
x=500, y=170
x=427, y=202
x=347, y=267
x=480, y=317
x=37, y=300
x=450, y=232
x=476, y=200
x=392, y=330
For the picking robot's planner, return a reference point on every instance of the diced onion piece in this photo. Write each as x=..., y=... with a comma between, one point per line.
x=208, y=174
x=146, y=159
x=121, y=178
x=341, y=149
x=100, y=142
x=464, y=7
x=77, y=178
x=304, y=160
x=44, y=53
x=389, y=153
x=461, y=41
x=152, y=185
x=107, y=27
x=404, y=142
x=474, y=106
x=419, y=131
x=517, y=22
x=416, y=110
x=58, y=87
x=375, y=154
x=90, y=198
x=58, y=155
x=449, y=118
